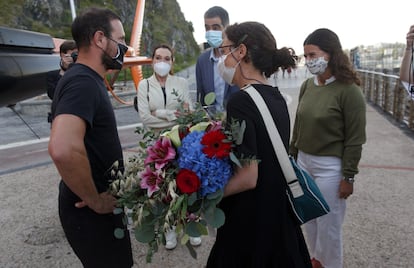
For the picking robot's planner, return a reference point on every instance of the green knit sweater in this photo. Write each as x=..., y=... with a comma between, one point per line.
x=330, y=121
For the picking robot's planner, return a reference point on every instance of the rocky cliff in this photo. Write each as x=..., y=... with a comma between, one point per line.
x=163, y=22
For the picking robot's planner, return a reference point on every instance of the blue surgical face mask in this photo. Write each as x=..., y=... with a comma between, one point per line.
x=214, y=38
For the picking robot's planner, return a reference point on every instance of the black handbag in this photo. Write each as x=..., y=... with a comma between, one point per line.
x=136, y=98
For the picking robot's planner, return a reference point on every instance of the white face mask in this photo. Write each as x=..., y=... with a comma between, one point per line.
x=317, y=66
x=162, y=68
x=227, y=73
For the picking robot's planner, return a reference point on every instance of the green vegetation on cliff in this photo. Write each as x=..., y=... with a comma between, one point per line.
x=163, y=22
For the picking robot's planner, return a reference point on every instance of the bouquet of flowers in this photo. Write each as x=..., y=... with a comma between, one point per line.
x=177, y=178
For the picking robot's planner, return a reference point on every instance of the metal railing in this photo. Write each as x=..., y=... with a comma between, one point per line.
x=388, y=93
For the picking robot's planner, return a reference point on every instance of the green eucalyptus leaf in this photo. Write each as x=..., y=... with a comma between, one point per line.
x=178, y=203
x=159, y=208
x=145, y=213
x=215, y=218
x=118, y=211
x=184, y=239
x=195, y=229
x=184, y=208
x=240, y=133
x=150, y=254
x=195, y=206
x=209, y=98
x=234, y=159
x=142, y=145
x=144, y=233
x=193, y=253
x=208, y=205
x=216, y=196
x=119, y=233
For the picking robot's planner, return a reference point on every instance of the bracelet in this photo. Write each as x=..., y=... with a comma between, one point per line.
x=350, y=180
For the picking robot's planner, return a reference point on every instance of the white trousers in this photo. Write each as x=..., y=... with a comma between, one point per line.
x=324, y=234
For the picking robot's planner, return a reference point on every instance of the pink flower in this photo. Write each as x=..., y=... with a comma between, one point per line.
x=150, y=180
x=215, y=125
x=160, y=153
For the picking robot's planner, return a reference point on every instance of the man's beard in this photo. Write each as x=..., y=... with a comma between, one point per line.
x=107, y=60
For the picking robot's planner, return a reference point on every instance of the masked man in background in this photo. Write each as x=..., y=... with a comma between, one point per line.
x=207, y=76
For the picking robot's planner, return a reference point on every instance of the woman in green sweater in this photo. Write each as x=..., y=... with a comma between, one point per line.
x=327, y=138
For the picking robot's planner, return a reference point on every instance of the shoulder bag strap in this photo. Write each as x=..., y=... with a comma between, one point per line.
x=147, y=90
x=273, y=134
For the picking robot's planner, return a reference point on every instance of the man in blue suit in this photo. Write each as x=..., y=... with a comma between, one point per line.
x=207, y=77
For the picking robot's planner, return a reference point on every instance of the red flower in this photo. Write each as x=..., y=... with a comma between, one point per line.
x=215, y=144
x=187, y=181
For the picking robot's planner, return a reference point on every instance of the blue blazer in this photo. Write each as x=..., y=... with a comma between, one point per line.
x=205, y=79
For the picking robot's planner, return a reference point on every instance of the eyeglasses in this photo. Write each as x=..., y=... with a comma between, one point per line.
x=221, y=49
x=121, y=46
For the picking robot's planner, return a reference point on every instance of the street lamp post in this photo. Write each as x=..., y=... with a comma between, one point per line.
x=72, y=9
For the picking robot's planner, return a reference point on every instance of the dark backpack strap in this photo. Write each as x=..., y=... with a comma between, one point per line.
x=136, y=97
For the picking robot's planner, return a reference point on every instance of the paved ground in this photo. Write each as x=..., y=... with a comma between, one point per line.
x=378, y=229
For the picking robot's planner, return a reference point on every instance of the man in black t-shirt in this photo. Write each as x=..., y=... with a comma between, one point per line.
x=84, y=143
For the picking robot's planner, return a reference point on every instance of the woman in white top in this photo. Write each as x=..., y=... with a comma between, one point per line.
x=159, y=96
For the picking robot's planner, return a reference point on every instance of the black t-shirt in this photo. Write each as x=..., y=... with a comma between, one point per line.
x=52, y=80
x=82, y=92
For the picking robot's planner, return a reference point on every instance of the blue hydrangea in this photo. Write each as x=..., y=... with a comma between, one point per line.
x=213, y=172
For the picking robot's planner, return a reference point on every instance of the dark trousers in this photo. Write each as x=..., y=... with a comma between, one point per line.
x=91, y=235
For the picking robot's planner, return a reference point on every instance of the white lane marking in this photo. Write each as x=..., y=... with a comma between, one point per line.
x=30, y=142
x=23, y=143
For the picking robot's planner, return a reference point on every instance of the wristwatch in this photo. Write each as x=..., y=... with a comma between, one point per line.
x=350, y=180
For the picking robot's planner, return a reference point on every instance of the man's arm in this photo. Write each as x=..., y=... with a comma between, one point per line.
x=406, y=71
x=68, y=152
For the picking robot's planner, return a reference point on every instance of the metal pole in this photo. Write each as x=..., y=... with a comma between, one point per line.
x=72, y=9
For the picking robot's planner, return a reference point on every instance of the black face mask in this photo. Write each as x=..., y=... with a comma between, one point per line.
x=115, y=63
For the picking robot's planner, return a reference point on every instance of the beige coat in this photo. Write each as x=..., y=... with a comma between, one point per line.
x=151, y=98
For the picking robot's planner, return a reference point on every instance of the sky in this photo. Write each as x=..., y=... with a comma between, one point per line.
x=356, y=22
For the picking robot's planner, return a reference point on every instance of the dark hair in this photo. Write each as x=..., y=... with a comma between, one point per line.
x=220, y=12
x=67, y=45
x=339, y=62
x=90, y=21
x=163, y=46
x=261, y=46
